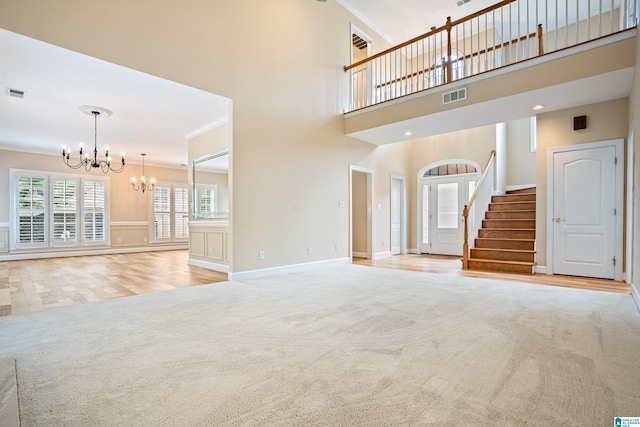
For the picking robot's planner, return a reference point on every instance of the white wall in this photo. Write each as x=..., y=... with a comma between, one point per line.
x=281, y=64
x=521, y=161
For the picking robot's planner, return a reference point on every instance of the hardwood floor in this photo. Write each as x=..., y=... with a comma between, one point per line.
x=451, y=265
x=32, y=285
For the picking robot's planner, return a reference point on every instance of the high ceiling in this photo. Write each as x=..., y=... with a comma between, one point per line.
x=401, y=20
x=150, y=115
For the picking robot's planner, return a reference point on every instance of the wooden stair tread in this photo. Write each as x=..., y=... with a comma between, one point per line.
x=508, y=229
x=505, y=250
x=518, y=211
x=512, y=202
x=507, y=238
x=499, y=261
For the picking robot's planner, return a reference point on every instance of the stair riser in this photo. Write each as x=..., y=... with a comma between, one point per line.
x=507, y=234
x=511, y=215
x=508, y=268
x=518, y=206
x=524, y=245
x=528, y=224
x=514, y=198
x=502, y=256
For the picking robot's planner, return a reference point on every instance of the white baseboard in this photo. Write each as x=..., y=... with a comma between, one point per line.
x=360, y=254
x=273, y=271
x=540, y=269
x=84, y=252
x=223, y=268
x=381, y=255
x=635, y=295
x=414, y=251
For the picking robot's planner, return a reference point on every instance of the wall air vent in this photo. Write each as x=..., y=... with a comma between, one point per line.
x=454, y=96
x=15, y=93
x=461, y=2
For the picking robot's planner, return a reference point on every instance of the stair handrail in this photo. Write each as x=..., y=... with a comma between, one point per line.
x=483, y=192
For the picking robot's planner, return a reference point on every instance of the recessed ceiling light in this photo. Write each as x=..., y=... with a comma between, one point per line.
x=538, y=107
x=408, y=133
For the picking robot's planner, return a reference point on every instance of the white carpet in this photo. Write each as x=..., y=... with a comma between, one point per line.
x=344, y=346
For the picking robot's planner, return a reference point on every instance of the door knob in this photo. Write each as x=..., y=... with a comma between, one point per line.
x=559, y=219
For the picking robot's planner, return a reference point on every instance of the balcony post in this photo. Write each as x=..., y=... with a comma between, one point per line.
x=540, y=46
x=448, y=75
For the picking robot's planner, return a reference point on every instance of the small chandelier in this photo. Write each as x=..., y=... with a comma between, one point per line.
x=87, y=162
x=143, y=182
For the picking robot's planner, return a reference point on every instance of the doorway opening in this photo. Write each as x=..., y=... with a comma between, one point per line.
x=443, y=190
x=360, y=215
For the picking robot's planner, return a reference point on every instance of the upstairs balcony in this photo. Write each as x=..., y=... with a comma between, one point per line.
x=493, y=66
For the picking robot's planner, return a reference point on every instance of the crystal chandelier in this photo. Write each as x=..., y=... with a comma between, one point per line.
x=87, y=162
x=143, y=182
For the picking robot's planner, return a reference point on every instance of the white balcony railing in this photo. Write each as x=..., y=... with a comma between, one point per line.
x=508, y=32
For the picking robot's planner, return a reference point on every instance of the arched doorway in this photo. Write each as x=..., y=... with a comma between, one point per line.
x=443, y=189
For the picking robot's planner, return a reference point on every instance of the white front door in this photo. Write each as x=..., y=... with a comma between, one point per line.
x=447, y=200
x=584, y=187
x=441, y=202
x=396, y=215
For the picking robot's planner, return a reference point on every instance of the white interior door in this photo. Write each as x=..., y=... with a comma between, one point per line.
x=584, y=186
x=396, y=216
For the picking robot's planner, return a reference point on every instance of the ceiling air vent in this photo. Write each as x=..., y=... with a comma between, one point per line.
x=461, y=2
x=15, y=93
x=454, y=96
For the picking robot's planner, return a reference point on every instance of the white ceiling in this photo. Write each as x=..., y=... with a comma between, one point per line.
x=150, y=115
x=401, y=20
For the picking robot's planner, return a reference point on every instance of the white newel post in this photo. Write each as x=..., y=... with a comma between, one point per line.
x=501, y=158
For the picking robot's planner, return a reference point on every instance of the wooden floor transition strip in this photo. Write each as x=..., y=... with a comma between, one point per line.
x=9, y=415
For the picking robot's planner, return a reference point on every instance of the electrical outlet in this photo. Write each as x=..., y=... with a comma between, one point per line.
x=383, y=243
x=119, y=239
x=337, y=247
x=309, y=250
x=1, y=245
x=341, y=204
x=145, y=240
x=261, y=255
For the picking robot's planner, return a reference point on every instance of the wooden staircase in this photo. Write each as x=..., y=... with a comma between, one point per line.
x=506, y=241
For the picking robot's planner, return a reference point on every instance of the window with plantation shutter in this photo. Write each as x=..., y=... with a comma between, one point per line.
x=31, y=211
x=57, y=210
x=206, y=201
x=65, y=210
x=162, y=213
x=94, y=211
x=181, y=203
x=170, y=214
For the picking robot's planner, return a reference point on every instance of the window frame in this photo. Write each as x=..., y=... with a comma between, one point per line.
x=50, y=243
x=172, y=214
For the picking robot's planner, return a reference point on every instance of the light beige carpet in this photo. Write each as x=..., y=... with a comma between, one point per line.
x=349, y=346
